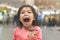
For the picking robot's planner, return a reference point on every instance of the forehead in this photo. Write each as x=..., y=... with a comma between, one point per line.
x=26, y=9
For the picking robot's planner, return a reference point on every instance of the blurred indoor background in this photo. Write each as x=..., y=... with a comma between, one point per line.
x=48, y=15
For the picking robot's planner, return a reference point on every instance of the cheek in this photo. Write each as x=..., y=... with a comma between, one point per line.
x=20, y=18
x=32, y=17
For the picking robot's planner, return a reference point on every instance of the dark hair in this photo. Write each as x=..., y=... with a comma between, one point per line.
x=35, y=22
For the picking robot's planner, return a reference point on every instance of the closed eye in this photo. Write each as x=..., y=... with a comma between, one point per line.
x=29, y=12
x=22, y=12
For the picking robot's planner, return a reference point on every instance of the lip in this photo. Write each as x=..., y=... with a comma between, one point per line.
x=26, y=20
x=26, y=23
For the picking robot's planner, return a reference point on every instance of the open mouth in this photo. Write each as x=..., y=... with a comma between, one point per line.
x=26, y=19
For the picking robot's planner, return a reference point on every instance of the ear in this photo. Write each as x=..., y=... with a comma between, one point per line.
x=34, y=19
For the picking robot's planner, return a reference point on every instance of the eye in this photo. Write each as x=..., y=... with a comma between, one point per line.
x=22, y=12
x=29, y=12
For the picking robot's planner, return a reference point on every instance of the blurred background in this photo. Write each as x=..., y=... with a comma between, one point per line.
x=48, y=15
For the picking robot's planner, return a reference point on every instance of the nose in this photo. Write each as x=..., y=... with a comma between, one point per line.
x=26, y=13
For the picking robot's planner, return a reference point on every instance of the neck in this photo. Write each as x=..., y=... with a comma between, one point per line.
x=28, y=27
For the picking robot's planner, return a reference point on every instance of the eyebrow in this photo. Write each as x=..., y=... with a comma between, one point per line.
x=26, y=11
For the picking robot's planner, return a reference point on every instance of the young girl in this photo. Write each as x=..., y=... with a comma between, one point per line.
x=28, y=28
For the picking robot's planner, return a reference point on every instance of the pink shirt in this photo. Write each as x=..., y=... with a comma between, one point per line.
x=21, y=34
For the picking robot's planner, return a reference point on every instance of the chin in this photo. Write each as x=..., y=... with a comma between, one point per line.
x=27, y=26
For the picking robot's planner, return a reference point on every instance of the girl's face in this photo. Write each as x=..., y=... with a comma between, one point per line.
x=26, y=16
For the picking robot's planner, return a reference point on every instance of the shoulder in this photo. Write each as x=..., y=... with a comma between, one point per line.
x=16, y=28
x=37, y=28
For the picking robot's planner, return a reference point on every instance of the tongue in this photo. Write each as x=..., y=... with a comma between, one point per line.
x=26, y=20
